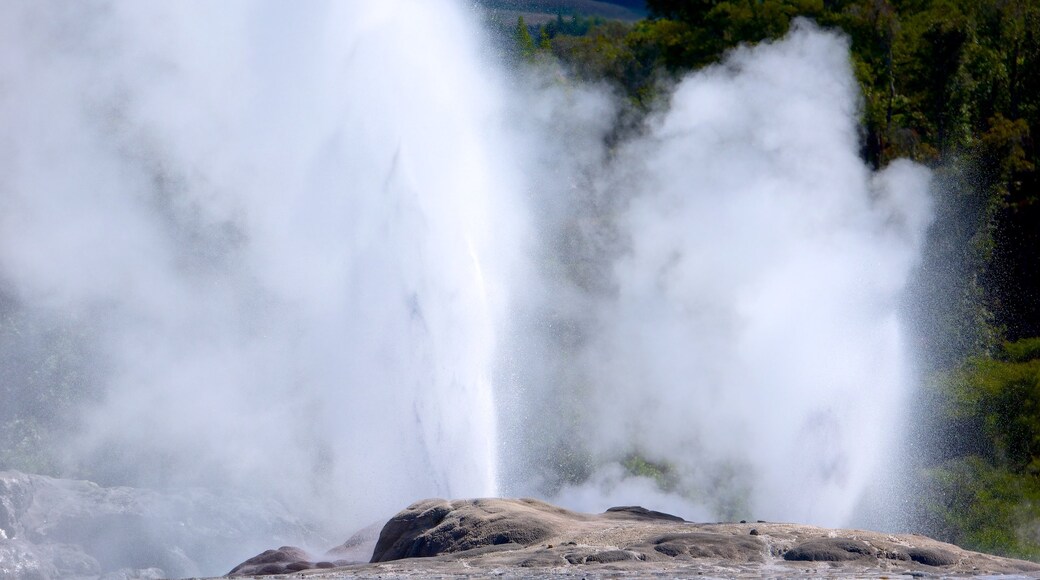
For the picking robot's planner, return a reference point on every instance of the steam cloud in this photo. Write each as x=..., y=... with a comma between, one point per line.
x=727, y=313
x=326, y=252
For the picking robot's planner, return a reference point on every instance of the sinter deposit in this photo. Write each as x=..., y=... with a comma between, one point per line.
x=526, y=537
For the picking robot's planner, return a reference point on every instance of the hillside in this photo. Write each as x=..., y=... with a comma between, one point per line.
x=541, y=11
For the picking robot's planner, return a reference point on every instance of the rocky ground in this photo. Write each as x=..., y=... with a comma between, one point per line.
x=528, y=538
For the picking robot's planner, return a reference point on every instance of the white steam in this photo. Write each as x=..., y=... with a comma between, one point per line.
x=742, y=334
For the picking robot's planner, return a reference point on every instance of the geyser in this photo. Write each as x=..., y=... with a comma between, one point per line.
x=325, y=252
x=286, y=231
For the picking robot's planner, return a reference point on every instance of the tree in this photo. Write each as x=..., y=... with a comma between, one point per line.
x=524, y=40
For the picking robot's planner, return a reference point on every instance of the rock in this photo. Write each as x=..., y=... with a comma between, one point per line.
x=524, y=538
x=706, y=545
x=541, y=560
x=610, y=556
x=283, y=560
x=931, y=556
x=281, y=564
x=642, y=513
x=432, y=527
x=830, y=550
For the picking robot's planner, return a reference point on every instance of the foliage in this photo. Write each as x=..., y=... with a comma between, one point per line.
x=524, y=40
x=983, y=507
x=986, y=496
x=576, y=25
x=1003, y=392
x=609, y=52
x=662, y=473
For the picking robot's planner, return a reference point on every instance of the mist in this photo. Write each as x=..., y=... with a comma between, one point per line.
x=339, y=255
x=723, y=301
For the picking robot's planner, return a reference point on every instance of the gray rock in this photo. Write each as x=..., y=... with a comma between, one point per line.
x=830, y=550
x=641, y=513
x=611, y=556
x=281, y=561
x=284, y=560
x=435, y=526
x=931, y=556
x=528, y=538
x=542, y=559
x=706, y=545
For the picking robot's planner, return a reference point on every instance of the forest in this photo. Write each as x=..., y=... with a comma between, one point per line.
x=954, y=85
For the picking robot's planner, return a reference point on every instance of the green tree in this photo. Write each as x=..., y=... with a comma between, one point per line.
x=524, y=40
x=544, y=39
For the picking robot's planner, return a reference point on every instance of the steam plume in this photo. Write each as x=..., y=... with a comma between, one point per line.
x=730, y=322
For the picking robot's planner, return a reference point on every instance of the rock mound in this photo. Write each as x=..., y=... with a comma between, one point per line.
x=830, y=550
x=708, y=545
x=284, y=560
x=435, y=526
x=525, y=537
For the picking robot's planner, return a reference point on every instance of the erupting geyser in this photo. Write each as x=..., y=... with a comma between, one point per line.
x=287, y=229
x=325, y=252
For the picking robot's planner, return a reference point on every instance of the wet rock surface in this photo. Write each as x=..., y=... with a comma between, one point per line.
x=830, y=550
x=433, y=527
x=284, y=560
x=526, y=538
x=707, y=545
